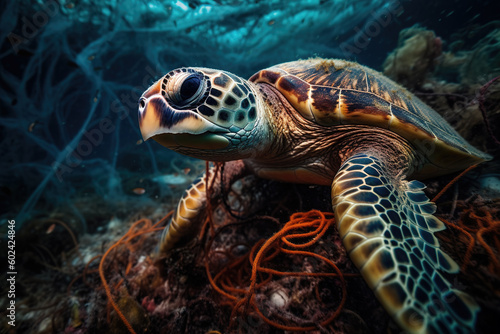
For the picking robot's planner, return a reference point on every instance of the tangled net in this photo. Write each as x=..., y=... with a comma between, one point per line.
x=477, y=225
x=238, y=281
x=130, y=240
x=133, y=242
x=245, y=275
x=481, y=228
x=313, y=225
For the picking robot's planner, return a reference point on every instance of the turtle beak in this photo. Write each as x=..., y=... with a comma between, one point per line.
x=176, y=128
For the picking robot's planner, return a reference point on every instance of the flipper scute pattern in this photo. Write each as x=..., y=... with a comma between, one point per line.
x=187, y=217
x=387, y=226
x=190, y=213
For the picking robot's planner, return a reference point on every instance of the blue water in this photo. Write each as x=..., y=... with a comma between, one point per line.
x=72, y=71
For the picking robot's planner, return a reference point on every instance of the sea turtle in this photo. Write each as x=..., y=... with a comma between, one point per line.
x=329, y=122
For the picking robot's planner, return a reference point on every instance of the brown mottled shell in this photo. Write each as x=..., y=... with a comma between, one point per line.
x=336, y=92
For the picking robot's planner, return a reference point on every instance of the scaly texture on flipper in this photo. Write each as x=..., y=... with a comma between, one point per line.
x=190, y=212
x=186, y=220
x=387, y=226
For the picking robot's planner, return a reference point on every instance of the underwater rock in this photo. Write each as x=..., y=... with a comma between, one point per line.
x=416, y=55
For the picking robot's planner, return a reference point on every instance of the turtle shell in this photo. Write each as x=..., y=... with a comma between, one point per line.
x=333, y=92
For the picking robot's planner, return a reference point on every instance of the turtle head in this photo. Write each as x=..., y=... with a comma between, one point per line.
x=200, y=112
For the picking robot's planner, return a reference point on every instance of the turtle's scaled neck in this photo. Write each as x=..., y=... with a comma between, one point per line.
x=291, y=141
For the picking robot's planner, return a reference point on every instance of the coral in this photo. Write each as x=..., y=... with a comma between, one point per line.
x=458, y=80
x=417, y=53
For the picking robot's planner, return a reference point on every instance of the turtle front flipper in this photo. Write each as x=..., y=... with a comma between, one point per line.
x=190, y=212
x=387, y=226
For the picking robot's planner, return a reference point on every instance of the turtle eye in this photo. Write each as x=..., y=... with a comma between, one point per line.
x=190, y=87
x=185, y=88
